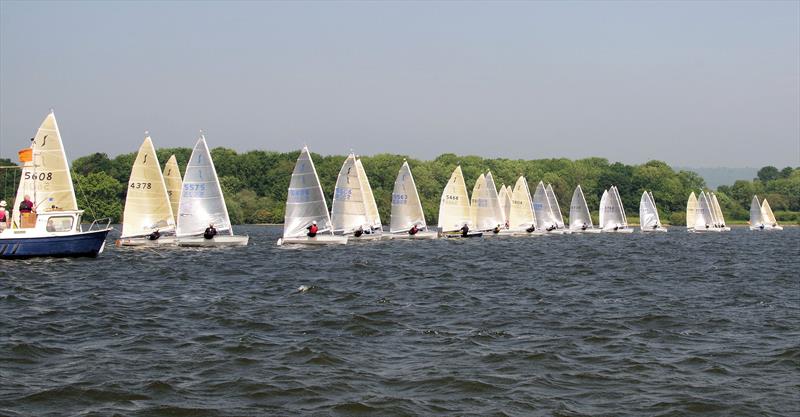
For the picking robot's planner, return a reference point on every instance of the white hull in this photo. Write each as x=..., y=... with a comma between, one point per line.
x=623, y=230
x=366, y=236
x=660, y=229
x=318, y=240
x=709, y=230
x=405, y=235
x=219, y=240
x=457, y=235
x=592, y=231
x=142, y=241
x=766, y=229
x=522, y=233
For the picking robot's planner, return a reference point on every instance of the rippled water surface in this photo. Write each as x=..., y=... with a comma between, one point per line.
x=634, y=325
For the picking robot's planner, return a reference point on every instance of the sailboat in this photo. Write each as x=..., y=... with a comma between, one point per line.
x=53, y=228
x=505, y=202
x=703, y=217
x=649, y=220
x=407, y=209
x=147, y=205
x=373, y=217
x=761, y=216
x=542, y=211
x=485, y=205
x=454, y=207
x=580, y=220
x=691, y=211
x=351, y=203
x=306, y=205
x=202, y=204
x=521, y=219
x=174, y=183
x=612, y=213
x=556, y=209
x=718, y=217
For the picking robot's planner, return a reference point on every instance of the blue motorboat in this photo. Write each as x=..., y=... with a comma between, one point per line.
x=56, y=234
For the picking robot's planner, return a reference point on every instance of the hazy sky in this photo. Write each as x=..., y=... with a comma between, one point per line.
x=694, y=84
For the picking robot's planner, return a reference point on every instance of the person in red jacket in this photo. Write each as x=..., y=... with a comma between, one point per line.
x=312, y=230
x=26, y=206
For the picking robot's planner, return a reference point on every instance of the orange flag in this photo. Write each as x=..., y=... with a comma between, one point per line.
x=26, y=155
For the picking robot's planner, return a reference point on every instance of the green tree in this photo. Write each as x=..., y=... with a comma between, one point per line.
x=99, y=194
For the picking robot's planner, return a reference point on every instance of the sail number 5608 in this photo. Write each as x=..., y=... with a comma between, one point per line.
x=42, y=176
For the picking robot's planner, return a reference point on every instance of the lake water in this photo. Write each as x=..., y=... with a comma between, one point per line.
x=669, y=324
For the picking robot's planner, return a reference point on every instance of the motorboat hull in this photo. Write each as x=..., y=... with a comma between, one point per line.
x=80, y=244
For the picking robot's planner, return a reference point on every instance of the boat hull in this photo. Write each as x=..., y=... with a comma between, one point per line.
x=460, y=236
x=659, y=230
x=88, y=244
x=592, y=231
x=417, y=236
x=141, y=241
x=625, y=230
x=766, y=229
x=216, y=241
x=364, y=237
x=318, y=240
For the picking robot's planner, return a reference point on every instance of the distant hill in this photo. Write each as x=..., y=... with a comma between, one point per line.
x=716, y=176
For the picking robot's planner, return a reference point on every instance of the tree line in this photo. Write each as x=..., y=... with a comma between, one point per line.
x=255, y=182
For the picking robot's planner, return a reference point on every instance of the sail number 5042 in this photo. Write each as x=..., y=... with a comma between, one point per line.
x=40, y=176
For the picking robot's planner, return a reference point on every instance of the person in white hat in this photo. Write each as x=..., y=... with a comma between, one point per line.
x=5, y=218
x=313, y=229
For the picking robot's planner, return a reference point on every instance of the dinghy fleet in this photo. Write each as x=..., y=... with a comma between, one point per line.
x=163, y=208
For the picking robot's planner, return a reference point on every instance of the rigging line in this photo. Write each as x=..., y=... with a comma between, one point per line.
x=80, y=187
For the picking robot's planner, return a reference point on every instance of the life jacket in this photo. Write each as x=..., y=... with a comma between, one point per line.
x=26, y=206
x=313, y=228
x=3, y=215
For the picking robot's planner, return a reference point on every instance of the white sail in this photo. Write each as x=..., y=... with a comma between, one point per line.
x=454, y=206
x=556, y=209
x=604, y=209
x=717, y=211
x=496, y=216
x=505, y=197
x=174, y=182
x=202, y=202
x=406, y=205
x=612, y=214
x=521, y=213
x=373, y=217
x=703, y=217
x=691, y=210
x=305, y=202
x=648, y=216
x=349, y=209
x=147, y=205
x=756, y=214
x=579, y=216
x=768, y=216
x=619, y=207
x=479, y=205
x=542, y=212
x=46, y=179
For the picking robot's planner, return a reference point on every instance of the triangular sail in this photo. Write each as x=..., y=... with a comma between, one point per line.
x=349, y=209
x=541, y=208
x=655, y=208
x=454, y=206
x=46, y=179
x=768, y=216
x=756, y=214
x=202, y=202
x=579, y=216
x=495, y=216
x=147, y=205
x=717, y=211
x=406, y=205
x=174, y=182
x=556, y=209
x=648, y=217
x=605, y=209
x=691, y=210
x=521, y=213
x=373, y=217
x=505, y=197
x=305, y=202
x=703, y=217
x=618, y=206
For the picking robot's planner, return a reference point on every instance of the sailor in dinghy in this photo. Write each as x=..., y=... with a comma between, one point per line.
x=354, y=212
x=202, y=203
x=649, y=220
x=580, y=220
x=454, y=208
x=53, y=225
x=307, y=220
x=408, y=219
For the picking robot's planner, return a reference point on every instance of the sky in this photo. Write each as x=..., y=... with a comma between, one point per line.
x=690, y=83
